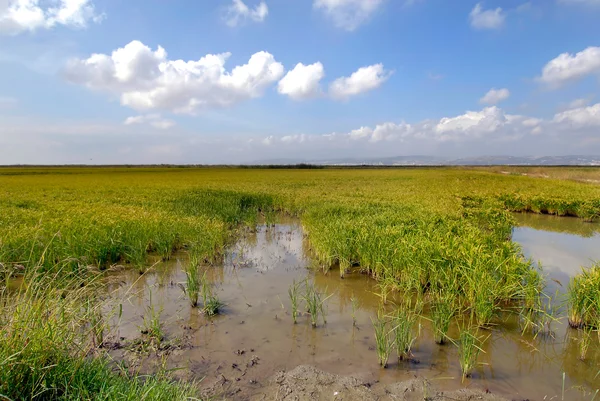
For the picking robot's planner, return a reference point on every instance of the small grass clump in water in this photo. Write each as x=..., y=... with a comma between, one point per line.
x=442, y=311
x=315, y=304
x=469, y=348
x=193, y=283
x=384, y=342
x=294, y=293
x=211, y=304
x=584, y=298
x=152, y=324
x=403, y=331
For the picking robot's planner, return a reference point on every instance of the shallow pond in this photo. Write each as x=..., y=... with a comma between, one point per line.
x=237, y=352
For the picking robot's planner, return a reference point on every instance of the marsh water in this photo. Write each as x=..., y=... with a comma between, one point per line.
x=235, y=353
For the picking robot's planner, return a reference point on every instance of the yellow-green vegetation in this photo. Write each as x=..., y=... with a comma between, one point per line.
x=584, y=298
x=49, y=347
x=440, y=234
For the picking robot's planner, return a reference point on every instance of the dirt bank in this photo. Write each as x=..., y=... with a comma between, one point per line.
x=309, y=383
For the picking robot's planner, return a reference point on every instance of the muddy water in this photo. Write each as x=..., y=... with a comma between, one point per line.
x=237, y=352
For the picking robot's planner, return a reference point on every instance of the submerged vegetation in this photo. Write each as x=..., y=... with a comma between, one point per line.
x=440, y=236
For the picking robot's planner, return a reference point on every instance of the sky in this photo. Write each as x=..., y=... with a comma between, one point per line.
x=237, y=81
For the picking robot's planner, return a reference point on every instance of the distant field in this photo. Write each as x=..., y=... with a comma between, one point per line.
x=584, y=174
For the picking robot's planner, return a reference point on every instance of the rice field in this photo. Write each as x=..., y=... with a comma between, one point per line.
x=439, y=239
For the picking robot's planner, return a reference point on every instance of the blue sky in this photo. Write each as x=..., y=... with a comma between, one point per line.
x=378, y=78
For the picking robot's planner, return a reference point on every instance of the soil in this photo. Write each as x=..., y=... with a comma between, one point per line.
x=309, y=383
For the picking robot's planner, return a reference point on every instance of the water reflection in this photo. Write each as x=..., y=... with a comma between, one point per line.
x=561, y=244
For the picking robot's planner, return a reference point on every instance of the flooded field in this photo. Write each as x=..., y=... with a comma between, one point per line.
x=235, y=354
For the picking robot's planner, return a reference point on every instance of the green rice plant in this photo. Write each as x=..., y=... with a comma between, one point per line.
x=193, y=283
x=582, y=298
x=442, y=312
x=403, y=330
x=315, y=304
x=383, y=340
x=469, y=348
x=294, y=293
x=152, y=327
x=211, y=305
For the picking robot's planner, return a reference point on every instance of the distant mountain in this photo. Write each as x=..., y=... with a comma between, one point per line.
x=438, y=161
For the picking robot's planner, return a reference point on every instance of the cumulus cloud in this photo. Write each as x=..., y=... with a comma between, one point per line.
x=580, y=117
x=486, y=19
x=348, y=14
x=363, y=80
x=490, y=123
x=238, y=12
x=18, y=16
x=471, y=124
x=495, y=96
x=155, y=120
x=569, y=67
x=302, y=82
x=146, y=79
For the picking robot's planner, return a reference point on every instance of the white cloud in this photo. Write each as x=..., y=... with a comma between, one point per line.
x=486, y=19
x=388, y=131
x=147, y=80
x=571, y=67
x=348, y=14
x=531, y=122
x=471, y=124
x=238, y=12
x=155, y=120
x=302, y=82
x=577, y=103
x=363, y=80
x=18, y=16
x=490, y=123
x=580, y=117
x=495, y=96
